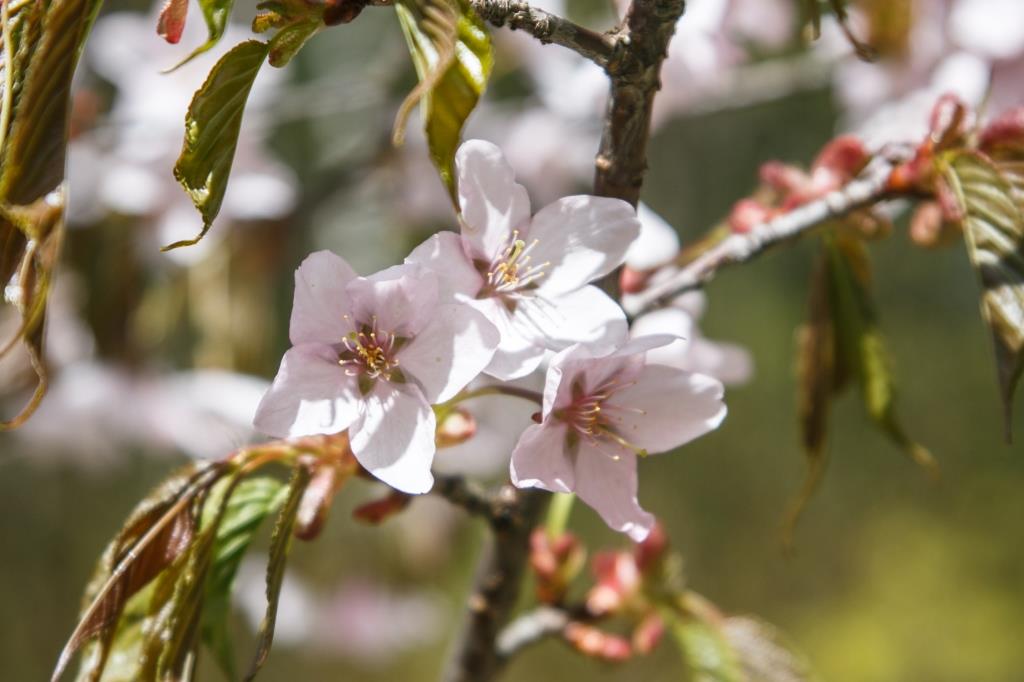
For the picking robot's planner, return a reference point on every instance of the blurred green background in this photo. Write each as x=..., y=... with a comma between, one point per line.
x=893, y=577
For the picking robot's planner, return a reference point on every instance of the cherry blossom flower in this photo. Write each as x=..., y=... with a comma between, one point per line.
x=691, y=351
x=371, y=354
x=604, y=407
x=529, y=276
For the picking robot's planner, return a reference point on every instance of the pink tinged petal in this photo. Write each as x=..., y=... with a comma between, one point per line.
x=518, y=352
x=540, y=460
x=450, y=351
x=587, y=315
x=729, y=363
x=667, y=321
x=493, y=203
x=394, y=437
x=606, y=480
x=171, y=23
x=311, y=394
x=401, y=298
x=657, y=244
x=666, y=407
x=320, y=299
x=580, y=238
x=443, y=254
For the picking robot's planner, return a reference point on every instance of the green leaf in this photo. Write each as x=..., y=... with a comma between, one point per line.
x=451, y=51
x=819, y=378
x=296, y=20
x=212, y=126
x=704, y=648
x=763, y=652
x=860, y=342
x=252, y=502
x=280, y=543
x=841, y=340
x=154, y=537
x=993, y=226
x=216, y=14
x=41, y=44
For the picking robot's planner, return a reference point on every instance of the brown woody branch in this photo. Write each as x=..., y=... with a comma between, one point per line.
x=865, y=191
x=547, y=28
x=635, y=78
x=476, y=656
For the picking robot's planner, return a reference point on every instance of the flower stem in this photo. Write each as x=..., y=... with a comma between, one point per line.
x=558, y=514
x=514, y=391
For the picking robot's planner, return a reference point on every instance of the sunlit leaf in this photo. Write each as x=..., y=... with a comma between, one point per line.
x=280, y=544
x=156, y=534
x=451, y=51
x=251, y=503
x=41, y=44
x=994, y=230
x=212, y=126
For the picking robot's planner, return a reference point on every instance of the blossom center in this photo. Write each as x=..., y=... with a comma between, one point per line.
x=513, y=269
x=370, y=353
x=592, y=418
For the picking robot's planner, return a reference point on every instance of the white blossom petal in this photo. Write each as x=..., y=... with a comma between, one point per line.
x=493, y=203
x=444, y=255
x=587, y=315
x=311, y=395
x=450, y=351
x=580, y=238
x=519, y=352
x=540, y=461
x=320, y=299
x=401, y=298
x=657, y=244
x=666, y=407
x=606, y=480
x=393, y=438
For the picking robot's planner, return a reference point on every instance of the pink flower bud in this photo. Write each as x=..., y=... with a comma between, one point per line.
x=618, y=579
x=591, y=641
x=948, y=121
x=651, y=551
x=379, y=511
x=633, y=281
x=458, y=427
x=648, y=633
x=747, y=214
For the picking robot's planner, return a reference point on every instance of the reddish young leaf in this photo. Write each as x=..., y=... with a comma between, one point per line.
x=171, y=23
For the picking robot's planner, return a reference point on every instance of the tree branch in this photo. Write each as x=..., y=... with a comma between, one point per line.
x=531, y=628
x=741, y=248
x=547, y=28
x=632, y=56
x=466, y=494
x=635, y=78
x=496, y=589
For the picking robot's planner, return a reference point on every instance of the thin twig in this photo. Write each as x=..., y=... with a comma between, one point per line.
x=740, y=248
x=547, y=28
x=531, y=628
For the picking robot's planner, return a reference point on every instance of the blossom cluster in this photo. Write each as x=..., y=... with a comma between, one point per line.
x=380, y=356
